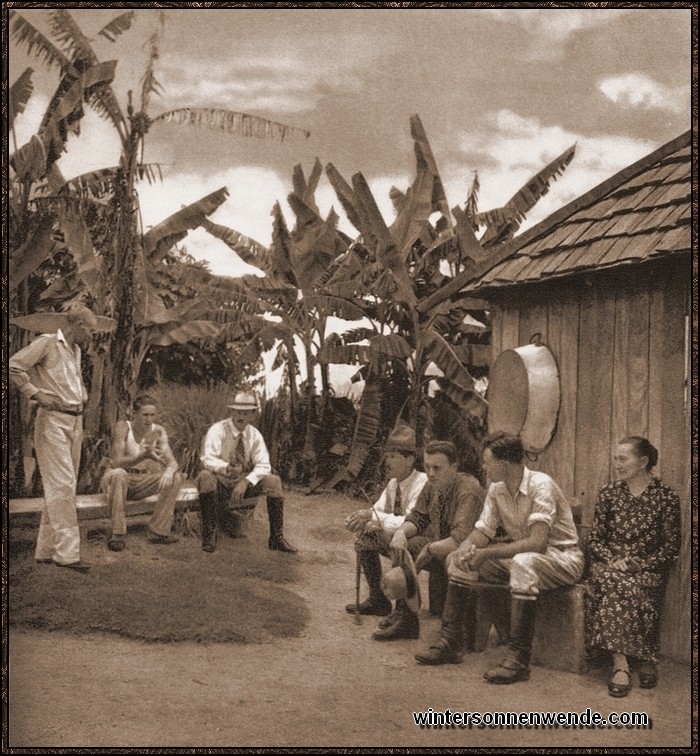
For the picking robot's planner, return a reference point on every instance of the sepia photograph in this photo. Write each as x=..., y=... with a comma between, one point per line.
x=349, y=377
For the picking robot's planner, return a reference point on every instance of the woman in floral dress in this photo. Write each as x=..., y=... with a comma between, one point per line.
x=634, y=541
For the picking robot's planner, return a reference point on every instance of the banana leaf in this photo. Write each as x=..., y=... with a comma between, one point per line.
x=160, y=239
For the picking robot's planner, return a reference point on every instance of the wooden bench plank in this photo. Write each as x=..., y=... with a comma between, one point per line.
x=94, y=506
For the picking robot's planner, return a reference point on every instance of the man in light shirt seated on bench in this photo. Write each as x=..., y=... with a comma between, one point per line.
x=375, y=526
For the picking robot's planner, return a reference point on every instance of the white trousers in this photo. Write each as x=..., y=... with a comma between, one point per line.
x=529, y=572
x=57, y=441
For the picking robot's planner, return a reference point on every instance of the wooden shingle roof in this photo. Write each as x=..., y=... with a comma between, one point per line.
x=641, y=213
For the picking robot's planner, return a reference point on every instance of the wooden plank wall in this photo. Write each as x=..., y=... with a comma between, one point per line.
x=619, y=340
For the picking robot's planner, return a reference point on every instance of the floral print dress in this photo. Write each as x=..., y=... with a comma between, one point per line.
x=624, y=609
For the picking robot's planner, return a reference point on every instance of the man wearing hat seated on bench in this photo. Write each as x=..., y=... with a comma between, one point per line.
x=542, y=553
x=444, y=514
x=236, y=467
x=374, y=527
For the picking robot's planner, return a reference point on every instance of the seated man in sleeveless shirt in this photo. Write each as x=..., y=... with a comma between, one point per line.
x=142, y=464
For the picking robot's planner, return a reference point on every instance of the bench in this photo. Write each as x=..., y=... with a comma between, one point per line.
x=94, y=507
x=559, y=641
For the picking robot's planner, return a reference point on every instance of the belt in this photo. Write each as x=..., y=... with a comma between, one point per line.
x=75, y=413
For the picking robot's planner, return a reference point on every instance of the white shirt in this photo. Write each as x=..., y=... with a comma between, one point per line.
x=51, y=365
x=219, y=449
x=538, y=499
x=384, y=506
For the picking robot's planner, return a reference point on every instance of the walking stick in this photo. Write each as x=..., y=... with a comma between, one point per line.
x=358, y=572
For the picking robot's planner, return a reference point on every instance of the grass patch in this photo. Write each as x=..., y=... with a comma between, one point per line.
x=161, y=593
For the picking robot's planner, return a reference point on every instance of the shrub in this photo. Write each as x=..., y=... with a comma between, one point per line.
x=186, y=413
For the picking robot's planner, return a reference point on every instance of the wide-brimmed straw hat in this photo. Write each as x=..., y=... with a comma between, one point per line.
x=401, y=583
x=245, y=402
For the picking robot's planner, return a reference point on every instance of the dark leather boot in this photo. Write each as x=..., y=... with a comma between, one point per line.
x=406, y=626
x=437, y=588
x=275, y=513
x=208, y=507
x=458, y=613
x=516, y=665
x=377, y=603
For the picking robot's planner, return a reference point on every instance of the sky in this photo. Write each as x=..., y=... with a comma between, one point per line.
x=501, y=92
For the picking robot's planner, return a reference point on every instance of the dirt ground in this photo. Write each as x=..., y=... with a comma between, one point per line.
x=332, y=687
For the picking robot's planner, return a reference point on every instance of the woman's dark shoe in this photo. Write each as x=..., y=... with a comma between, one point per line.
x=615, y=689
x=648, y=677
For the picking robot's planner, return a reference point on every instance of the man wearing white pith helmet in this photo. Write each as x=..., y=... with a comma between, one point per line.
x=236, y=467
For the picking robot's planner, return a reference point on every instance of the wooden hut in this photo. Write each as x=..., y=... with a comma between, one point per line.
x=607, y=282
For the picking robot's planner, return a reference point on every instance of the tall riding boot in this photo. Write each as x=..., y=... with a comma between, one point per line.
x=377, y=603
x=406, y=626
x=208, y=511
x=457, y=614
x=275, y=513
x=516, y=665
x=437, y=588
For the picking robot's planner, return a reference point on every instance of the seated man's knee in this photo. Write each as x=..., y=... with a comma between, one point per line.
x=524, y=578
x=271, y=485
x=114, y=477
x=206, y=482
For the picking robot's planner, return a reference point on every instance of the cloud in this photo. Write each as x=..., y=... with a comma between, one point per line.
x=639, y=91
x=550, y=30
x=286, y=83
x=511, y=148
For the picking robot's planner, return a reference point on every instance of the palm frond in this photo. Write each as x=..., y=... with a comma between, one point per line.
x=282, y=247
x=471, y=207
x=20, y=92
x=74, y=43
x=79, y=49
x=34, y=42
x=387, y=252
x=366, y=425
x=527, y=197
x=117, y=26
x=38, y=246
x=149, y=84
x=391, y=346
x=344, y=354
x=232, y=122
x=152, y=172
x=78, y=240
x=182, y=332
x=96, y=184
x=173, y=229
x=249, y=250
x=471, y=402
x=330, y=305
x=353, y=335
x=443, y=355
x=398, y=199
x=346, y=196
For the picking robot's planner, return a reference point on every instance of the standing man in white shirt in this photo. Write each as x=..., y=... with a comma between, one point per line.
x=375, y=527
x=48, y=372
x=237, y=466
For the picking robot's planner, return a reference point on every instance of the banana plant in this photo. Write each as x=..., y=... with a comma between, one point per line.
x=94, y=218
x=398, y=274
